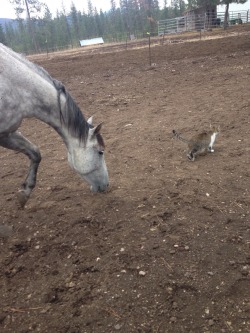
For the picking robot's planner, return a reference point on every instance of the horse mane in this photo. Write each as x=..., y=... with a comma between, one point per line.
x=72, y=117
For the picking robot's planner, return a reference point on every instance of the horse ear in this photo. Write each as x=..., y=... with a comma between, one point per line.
x=98, y=128
x=95, y=130
x=90, y=120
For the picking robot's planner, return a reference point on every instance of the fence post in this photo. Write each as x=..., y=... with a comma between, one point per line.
x=149, y=49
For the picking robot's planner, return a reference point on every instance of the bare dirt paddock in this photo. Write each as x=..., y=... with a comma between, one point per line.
x=166, y=250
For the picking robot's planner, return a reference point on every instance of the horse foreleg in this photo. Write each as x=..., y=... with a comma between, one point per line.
x=16, y=141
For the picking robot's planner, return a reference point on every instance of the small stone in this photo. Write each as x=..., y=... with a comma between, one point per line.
x=118, y=327
x=142, y=273
x=174, y=306
x=211, y=322
x=186, y=247
x=45, y=310
x=188, y=274
x=170, y=290
x=210, y=273
x=244, y=272
x=173, y=319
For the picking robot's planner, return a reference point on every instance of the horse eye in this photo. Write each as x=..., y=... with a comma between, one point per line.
x=100, y=152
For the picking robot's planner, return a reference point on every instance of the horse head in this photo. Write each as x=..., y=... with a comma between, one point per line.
x=87, y=159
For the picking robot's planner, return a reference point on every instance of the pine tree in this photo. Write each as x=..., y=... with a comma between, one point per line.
x=30, y=6
x=2, y=36
x=90, y=21
x=63, y=35
x=10, y=34
x=74, y=21
x=47, y=31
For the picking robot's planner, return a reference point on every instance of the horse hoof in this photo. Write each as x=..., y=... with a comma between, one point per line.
x=22, y=198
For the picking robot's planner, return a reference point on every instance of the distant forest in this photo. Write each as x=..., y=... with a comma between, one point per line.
x=41, y=32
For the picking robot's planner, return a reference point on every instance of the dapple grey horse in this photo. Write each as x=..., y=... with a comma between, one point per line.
x=26, y=91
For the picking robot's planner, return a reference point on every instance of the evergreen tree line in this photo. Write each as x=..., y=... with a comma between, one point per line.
x=41, y=32
x=65, y=30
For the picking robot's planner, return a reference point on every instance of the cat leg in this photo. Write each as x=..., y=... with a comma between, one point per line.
x=191, y=155
x=210, y=149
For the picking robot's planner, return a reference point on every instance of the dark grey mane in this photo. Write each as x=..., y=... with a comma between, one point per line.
x=71, y=116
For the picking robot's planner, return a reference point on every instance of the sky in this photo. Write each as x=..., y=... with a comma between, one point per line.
x=7, y=11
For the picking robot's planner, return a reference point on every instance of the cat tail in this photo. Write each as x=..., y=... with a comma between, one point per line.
x=179, y=137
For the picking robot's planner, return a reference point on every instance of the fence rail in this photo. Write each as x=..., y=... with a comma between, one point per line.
x=201, y=22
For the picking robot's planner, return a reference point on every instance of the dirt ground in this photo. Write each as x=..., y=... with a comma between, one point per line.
x=166, y=249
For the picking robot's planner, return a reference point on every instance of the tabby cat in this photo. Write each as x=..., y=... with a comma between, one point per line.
x=200, y=143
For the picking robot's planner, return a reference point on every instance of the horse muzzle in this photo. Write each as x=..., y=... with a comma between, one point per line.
x=99, y=188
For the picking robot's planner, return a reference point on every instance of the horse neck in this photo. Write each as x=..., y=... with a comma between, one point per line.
x=51, y=116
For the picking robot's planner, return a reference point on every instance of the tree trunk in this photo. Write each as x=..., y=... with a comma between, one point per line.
x=31, y=27
x=226, y=16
